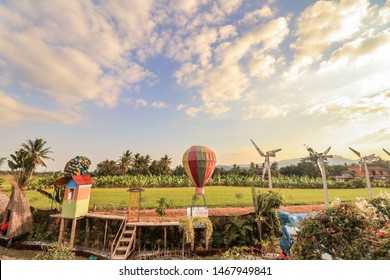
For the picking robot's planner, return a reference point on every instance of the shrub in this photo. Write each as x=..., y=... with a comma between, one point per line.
x=346, y=231
x=57, y=252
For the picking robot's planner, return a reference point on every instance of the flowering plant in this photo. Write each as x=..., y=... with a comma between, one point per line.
x=345, y=231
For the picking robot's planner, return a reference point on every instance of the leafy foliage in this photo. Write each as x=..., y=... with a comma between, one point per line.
x=266, y=205
x=204, y=222
x=185, y=226
x=347, y=231
x=57, y=252
x=162, y=205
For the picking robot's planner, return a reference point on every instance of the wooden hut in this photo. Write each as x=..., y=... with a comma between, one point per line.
x=75, y=203
x=76, y=195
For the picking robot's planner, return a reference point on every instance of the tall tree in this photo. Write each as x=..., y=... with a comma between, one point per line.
x=165, y=163
x=37, y=152
x=107, y=167
x=125, y=161
x=141, y=164
x=24, y=161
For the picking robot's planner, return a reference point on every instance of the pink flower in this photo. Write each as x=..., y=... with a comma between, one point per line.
x=313, y=238
x=381, y=233
x=331, y=230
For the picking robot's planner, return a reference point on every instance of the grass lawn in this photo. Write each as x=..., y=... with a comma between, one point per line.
x=215, y=196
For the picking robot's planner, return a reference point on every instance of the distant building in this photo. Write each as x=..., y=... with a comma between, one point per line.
x=346, y=175
x=376, y=172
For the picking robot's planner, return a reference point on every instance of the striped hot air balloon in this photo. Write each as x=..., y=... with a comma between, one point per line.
x=199, y=163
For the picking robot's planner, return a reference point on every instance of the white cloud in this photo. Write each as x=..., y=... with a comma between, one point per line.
x=353, y=109
x=253, y=16
x=72, y=51
x=262, y=67
x=193, y=111
x=367, y=48
x=268, y=111
x=13, y=111
x=227, y=79
x=141, y=102
x=159, y=105
x=227, y=31
x=323, y=24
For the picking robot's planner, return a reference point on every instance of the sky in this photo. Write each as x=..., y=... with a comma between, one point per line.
x=97, y=78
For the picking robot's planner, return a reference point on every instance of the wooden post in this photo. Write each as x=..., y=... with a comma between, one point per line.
x=184, y=244
x=73, y=232
x=193, y=240
x=165, y=238
x=207, y=240
x=87, y=232
x=105, y=235
x=62, y=228
x=129, y=206
x=139, y=205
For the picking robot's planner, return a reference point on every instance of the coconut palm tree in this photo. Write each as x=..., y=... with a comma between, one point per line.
x=141, y=163
x=165, y=163
x=125, y=161
x=37, y=151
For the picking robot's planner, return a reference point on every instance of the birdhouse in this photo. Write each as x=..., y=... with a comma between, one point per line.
x=76, y=195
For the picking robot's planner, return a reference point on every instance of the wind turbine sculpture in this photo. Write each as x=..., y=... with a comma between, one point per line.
x=364, y=160
x=386, y=152
x=320, y=159
x=267, y=164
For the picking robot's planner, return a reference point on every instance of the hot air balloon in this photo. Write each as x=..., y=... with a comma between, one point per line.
x=199, y=163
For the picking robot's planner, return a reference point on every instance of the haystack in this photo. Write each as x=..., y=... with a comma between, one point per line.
x=18, y=214
x=4, y=199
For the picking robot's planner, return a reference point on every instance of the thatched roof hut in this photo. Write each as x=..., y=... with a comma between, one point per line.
x=4, y=199
x=18, y=214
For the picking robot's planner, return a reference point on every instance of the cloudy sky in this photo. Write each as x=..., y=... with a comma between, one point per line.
x=96, y=78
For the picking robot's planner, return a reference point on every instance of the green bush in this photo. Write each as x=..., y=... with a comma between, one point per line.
x=349, y=231
x=57, y=252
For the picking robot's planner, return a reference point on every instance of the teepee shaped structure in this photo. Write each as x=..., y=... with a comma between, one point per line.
x=17, y=214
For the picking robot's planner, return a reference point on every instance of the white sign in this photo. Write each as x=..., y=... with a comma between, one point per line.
x=198, y=211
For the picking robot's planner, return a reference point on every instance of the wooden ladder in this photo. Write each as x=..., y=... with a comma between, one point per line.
x=125, y=244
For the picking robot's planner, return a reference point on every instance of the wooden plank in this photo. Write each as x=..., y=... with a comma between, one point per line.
x=73, y=232
x=61, y=235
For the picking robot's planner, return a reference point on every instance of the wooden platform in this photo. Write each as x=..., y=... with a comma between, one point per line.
x=94, y=215
x=154, y=224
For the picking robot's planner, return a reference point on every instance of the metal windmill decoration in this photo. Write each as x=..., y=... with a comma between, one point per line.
x=386, y=151
x=267, y=164
x=320, y=159
x=364, y=160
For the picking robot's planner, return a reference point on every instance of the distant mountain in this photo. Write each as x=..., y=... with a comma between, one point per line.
x=336, y=160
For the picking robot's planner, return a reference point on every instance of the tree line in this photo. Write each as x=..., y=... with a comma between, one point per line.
x=33, y=153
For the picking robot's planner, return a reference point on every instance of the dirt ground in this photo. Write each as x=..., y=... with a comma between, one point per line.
x=173, y=215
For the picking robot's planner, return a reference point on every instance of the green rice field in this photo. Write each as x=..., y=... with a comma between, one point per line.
x=215, y=196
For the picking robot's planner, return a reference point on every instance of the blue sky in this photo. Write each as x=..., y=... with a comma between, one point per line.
x=96, y=78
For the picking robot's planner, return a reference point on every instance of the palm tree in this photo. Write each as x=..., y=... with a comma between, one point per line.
x=23, y=163
x=141, y=163
x=165, y=163
x=37, y=152
x=125, y=161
